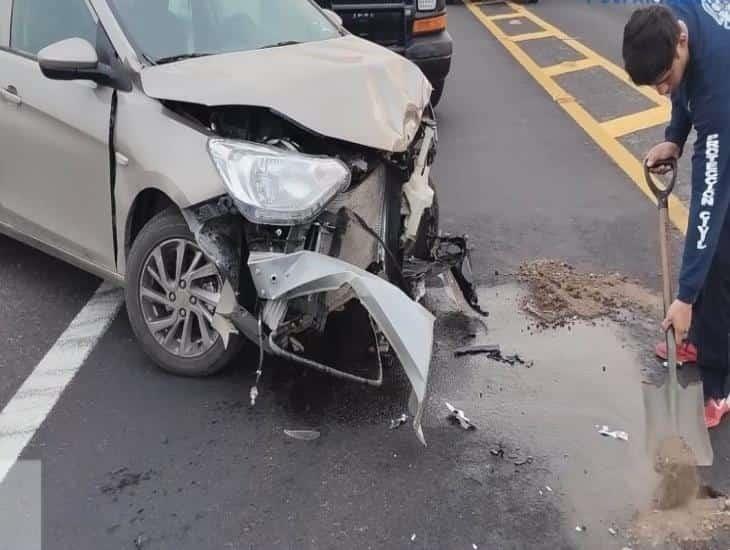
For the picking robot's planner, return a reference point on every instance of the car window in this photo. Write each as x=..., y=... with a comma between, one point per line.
x=233, y=8
x=165, y=29
x=36, y=24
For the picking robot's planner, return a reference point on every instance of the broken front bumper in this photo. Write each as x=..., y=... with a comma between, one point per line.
x=303, y=278
x=407, y=326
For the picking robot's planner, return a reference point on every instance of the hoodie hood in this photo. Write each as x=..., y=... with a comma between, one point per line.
x=345, y=88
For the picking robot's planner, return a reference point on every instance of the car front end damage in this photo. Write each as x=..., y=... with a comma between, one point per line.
x=364, y=246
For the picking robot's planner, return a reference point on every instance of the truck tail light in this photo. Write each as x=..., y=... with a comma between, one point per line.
x=429, y=24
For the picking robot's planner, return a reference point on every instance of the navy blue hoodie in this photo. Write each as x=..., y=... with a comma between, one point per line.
x=703, y=100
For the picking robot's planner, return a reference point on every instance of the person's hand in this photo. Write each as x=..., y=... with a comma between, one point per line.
x=658, y=153
x=679, y=316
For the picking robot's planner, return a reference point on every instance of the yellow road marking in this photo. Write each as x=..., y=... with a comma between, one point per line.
x=502, y=16
x=570, y=66
x=643, y=120
x=615, y=70
x=531, y=36
x=632, y=166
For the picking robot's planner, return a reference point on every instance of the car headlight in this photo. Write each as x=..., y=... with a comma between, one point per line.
x=426, y=5
x=277, y=187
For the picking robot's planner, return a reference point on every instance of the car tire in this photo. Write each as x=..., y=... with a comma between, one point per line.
x=196, y=359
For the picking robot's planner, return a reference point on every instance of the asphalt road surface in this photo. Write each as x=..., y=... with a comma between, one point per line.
x=130, y=457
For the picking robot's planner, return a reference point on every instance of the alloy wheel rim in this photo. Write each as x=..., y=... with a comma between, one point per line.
x=179, y=289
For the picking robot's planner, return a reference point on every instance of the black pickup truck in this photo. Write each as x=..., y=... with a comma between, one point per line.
x=415, y=29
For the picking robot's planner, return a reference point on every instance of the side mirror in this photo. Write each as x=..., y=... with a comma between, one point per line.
x=76, y=59
x=334, y=16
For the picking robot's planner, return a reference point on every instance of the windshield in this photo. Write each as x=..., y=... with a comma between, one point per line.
x=167, y=30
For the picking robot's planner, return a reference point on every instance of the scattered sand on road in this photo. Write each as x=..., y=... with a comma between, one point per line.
x=559, y=293
x=680, y=480
x=698, y=525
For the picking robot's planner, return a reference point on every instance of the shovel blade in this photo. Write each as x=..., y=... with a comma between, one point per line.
x=689, y=426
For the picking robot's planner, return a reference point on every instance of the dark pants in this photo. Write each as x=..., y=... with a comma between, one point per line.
x=711, y=322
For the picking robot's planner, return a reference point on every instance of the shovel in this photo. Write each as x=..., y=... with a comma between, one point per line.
x=677, y=437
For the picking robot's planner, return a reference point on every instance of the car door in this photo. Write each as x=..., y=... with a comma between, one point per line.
x=54, y=154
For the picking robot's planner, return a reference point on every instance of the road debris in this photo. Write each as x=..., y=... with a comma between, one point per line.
x=495, y=354
x=581, y=528
x=612, y=531
x=523, y=461
x=303, y=435
x=560, y=295
x=549, y=489
x=140, y=542
x=458, y=415
x=477, y=350
x=498, y=452
x=511, y=360
x=413, y=537
x=474, y=546
x=616, y=434
x=396, y=423
x=122, y=478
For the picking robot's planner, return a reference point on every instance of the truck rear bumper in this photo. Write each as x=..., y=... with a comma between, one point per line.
x=432, y=53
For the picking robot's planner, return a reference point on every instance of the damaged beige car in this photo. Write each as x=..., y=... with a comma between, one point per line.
x=247, y=169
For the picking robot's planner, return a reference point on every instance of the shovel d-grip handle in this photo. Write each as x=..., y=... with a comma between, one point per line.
x=662, y=192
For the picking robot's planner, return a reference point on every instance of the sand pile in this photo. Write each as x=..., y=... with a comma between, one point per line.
x=558, y=293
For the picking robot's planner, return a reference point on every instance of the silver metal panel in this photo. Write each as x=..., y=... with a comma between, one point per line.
x=5, y=11
x=59, y=252
x=372, y=97
x=407, y=325
x=161, y=153
x=54, y=158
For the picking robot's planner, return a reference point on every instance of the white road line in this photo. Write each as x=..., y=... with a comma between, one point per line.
x=35, y=399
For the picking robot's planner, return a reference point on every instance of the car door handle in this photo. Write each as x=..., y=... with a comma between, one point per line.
x=11, y=94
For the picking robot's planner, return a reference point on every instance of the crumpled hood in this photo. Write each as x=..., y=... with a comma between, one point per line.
x=346, y=88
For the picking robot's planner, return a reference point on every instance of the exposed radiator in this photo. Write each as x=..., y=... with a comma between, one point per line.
x=356, y=246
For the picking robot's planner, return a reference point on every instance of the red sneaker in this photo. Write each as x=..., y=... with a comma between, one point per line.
x=715, y=409
x=686, y=353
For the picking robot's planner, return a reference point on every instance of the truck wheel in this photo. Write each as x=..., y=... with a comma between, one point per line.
x=438, y=91
x=172, y=291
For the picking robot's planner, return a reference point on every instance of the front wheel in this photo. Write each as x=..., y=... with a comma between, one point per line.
x=172, y=291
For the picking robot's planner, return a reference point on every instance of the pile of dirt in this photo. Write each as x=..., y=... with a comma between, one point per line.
x=677, y=466
x=701, y=524
x=559, y=293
